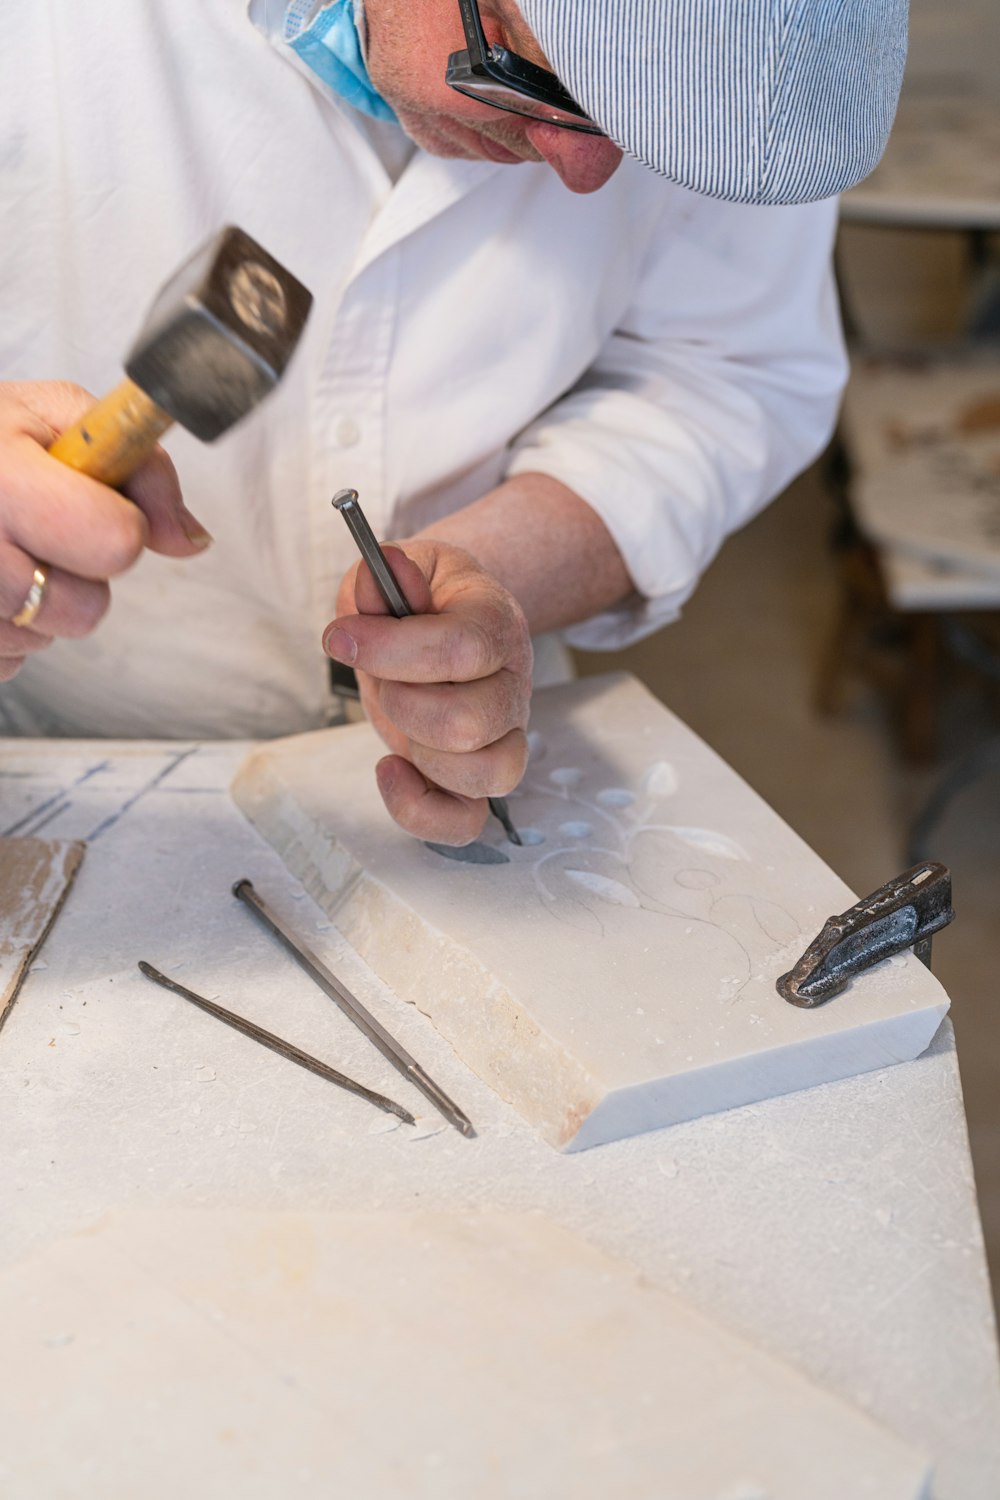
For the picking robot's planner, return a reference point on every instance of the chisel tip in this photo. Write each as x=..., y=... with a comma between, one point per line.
x=498, y=807
x=461, y=1122
x=441, y=1101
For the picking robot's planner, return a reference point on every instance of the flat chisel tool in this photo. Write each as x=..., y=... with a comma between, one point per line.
x=364, y=1020
x=346, y=501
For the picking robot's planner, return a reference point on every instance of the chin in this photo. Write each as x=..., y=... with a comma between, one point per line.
x=438, y=140
x=443, y=135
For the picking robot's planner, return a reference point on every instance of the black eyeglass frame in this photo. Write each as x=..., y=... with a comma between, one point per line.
x=495, y=64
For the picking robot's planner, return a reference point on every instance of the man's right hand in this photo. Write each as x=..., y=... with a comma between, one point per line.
x=79, y=530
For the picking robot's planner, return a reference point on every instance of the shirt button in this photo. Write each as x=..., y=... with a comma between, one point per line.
x=347, y=432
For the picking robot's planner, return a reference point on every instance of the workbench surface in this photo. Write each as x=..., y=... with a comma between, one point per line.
x=836, y=1228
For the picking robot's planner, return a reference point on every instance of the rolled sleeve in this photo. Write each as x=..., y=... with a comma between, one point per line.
x=721, y=384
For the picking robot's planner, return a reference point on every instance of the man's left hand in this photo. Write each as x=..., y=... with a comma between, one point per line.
x=447, y=688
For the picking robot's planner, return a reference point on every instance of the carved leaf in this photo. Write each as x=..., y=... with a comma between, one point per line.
x=660, y=780
x=609, y=890
x=710, y=841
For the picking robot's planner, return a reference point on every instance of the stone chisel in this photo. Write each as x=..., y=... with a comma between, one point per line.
x=277, y=1044
x=346, y=501
x=352, y=1008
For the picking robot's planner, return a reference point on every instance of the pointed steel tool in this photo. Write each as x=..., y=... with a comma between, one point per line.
x=277, y=1044
x=346, y=501
x=364, y=1020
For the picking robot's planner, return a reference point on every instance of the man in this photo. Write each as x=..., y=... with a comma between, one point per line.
x=563, y=401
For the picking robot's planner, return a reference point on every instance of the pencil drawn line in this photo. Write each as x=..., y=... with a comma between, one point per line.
x=150, y=786
x=59, y=797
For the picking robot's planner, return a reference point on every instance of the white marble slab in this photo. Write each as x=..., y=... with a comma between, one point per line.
x=396, y=1355
x=618, y=973
x=835, y=1228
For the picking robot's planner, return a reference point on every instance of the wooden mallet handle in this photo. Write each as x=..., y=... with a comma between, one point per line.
x=114, y=437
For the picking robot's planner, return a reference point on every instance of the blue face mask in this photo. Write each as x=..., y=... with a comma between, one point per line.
x=330, y=45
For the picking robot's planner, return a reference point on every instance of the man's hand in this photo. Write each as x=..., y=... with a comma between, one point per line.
x=448, y=689
x=82, y=532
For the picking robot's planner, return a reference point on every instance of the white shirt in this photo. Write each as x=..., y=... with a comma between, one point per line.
x=672, y=359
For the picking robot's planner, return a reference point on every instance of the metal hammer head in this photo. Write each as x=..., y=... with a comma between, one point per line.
x=219, y=335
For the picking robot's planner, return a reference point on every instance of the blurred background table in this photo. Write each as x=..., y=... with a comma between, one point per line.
x=917, y=460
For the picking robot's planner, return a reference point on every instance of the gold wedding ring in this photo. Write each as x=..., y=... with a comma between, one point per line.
x=33, y=602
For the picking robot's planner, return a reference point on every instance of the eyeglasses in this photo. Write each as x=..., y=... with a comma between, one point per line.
x=507, y=81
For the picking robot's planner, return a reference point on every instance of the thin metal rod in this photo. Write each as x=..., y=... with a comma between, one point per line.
x=364, y=1020
x=346, y=501
x=277, y=1044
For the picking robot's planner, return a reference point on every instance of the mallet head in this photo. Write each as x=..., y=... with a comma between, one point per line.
x=219, y=335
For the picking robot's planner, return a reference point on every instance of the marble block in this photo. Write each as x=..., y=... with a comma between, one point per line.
x=617, y=973
x=396, y=1356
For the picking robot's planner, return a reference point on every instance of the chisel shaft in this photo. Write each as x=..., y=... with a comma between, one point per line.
x=276, y=1044
x=341, y=996
x=346, y=501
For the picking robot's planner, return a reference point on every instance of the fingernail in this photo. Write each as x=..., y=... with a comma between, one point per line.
x=196, y=533
x=341, y=646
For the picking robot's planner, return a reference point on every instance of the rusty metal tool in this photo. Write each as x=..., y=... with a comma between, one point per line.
x=905, y=912
x=217, y=339
x=346, y=501
x=277, y=1044
x=352, y=1008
